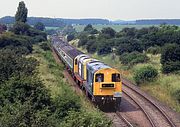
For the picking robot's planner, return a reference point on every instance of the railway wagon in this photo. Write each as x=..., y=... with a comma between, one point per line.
x=101, y=82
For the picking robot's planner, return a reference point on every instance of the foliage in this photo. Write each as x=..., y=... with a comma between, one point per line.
x=133, y=58
x=177, y=95
x=21, y=28
x=85, y=119
x=65, y=103
x=68, y=30
x=2, y=28
x=70, y=37
x=104, y=48
x=170, y=58
x=154, y=50
x=12, y=64
x=39, y=26
x=10, y=39
x=45, y=46
x=21, y=14
x=89, y=29
x=145, y=74
x=108, y=32
x=83, y=38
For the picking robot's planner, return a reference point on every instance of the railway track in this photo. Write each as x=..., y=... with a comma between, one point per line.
x=156, y=116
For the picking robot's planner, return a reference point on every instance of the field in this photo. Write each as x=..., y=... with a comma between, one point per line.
x=52, y=28
x=80, y=28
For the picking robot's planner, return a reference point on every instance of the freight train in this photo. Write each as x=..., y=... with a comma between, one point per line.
x=101, y=82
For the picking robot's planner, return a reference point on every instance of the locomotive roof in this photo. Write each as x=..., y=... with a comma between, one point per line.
x=95, y=66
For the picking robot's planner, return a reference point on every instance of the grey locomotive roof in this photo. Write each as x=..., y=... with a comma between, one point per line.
x=95, y=66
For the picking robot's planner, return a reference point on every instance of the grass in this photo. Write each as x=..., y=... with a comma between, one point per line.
x=117, y=28
x=52, y=76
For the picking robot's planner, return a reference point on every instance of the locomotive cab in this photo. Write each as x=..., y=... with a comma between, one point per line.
x=104, y=83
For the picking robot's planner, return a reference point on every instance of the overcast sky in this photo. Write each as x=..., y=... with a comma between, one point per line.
x=108, y=9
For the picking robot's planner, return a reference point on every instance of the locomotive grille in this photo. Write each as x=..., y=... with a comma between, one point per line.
x=107, y=85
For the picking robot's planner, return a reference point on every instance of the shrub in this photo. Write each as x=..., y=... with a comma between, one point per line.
x=65, y=103
x=45, y=46
x=70, y=37
x=145, y=74
x=133, y=58
x=85, y=119
x=154, y=50
x=170, y=58
x=177, y=95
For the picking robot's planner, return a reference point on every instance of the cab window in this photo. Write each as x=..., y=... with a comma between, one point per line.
x=99, y=77
x=116, y=77
x=75, y=61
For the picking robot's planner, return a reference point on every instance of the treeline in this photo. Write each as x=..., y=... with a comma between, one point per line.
x=158, y=22
x=129, y=42
x=48, y=22
x=55, y=22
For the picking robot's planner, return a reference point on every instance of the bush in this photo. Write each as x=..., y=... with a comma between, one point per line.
x=170, y=58
x=70, y=37
x=177, y=95
x=85, y=119
x=45, y=46
x=145, y=74
x=133, y=58
x=154, y=50
x=65, y=103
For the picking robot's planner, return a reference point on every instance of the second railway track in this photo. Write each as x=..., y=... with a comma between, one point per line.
x=154, y=113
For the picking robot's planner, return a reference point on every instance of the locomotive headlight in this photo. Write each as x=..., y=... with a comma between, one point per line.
x=102, y=98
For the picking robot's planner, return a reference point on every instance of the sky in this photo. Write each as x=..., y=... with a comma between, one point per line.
x=106, y=9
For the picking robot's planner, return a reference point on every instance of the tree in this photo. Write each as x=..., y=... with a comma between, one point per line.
x=108, y=32
x=39, y=26
x=21, y=28
x=70, y=37
x=21, y=14
x=88, y=27
x=3, y=28
x=170, y=58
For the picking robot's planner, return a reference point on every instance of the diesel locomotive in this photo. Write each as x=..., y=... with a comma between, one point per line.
x=101, y=82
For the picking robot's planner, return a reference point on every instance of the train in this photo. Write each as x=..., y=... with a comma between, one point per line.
x=101, y=83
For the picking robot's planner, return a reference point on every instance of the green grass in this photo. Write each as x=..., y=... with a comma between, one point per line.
x=117, y=28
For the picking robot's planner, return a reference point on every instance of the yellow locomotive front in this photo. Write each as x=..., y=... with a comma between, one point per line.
x=104, y=83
